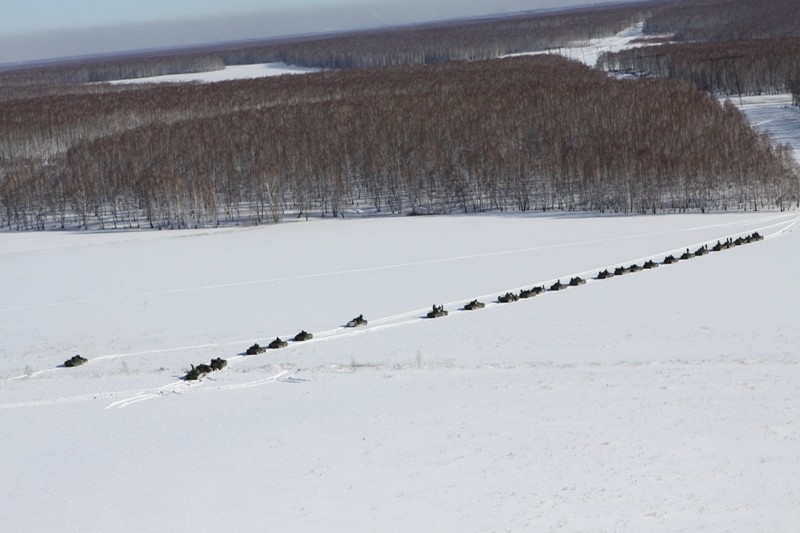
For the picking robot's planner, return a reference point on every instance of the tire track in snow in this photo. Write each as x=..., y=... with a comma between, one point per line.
x=148, y=394
x=403, y=319
x=246, y=385
x=132, y=354
x=180, y=387
x=141, y=395
x=379, y=268
x=417, y=315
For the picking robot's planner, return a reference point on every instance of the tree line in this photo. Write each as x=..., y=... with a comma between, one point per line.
x=752, y=67
x=447, y=42
x=25, y=82
x=722, y=46
x=725, y=20
x=428, y=43
x=527, y=133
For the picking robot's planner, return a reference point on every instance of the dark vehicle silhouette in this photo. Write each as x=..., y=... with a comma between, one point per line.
x=356, y=322
x=197, y=372
x=530, y=293
x=277, y=343
x=255, y=349
x=75, y=360
x=218, y=364
x=303, y=336
x=474, y=304
x=605, y=274
x=437, y=311
x=507, y=297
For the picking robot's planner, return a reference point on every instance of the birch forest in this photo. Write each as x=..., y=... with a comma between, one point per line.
x=411, y=121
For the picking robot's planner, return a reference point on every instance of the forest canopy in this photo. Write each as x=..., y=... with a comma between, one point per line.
x=526, y=133
x=411, y=120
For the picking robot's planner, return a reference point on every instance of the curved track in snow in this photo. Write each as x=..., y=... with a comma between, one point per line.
x=776, y=226
x=392, y=266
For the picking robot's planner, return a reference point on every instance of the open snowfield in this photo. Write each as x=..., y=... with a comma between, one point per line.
x=233, y=72
x=775, y=115
x=665, y=400
x=587, y=52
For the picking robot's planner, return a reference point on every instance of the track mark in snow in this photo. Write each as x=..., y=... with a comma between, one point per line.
x=54, y=401
x=247, y=385
x=138, y=393
x=743, y=223
x=181, y=387
x=149, y=394
x=231, y=360
x=142, y=395
x=417, y=315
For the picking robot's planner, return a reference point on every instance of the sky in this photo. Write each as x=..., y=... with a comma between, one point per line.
x=42, y=29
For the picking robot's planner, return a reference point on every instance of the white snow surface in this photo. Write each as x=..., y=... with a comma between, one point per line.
x=234, y=72
x=588, y=51
x=659, y=401
x=665, y=400
x=773, y=114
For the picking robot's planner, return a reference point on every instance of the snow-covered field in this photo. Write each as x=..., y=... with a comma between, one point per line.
x=665, y=400
x=775, y=115
x=235, y=72
x=662, y=400
x=588, y=52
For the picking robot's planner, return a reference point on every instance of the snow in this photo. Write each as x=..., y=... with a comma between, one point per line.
x=773, y=114
x=662, y=400
x=235, y=72
x=589, y=51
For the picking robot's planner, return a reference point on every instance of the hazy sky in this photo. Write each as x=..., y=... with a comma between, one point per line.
x=38, y=29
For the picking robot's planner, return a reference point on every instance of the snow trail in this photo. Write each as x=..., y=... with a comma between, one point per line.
x=379, y=268
x=785, y=223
